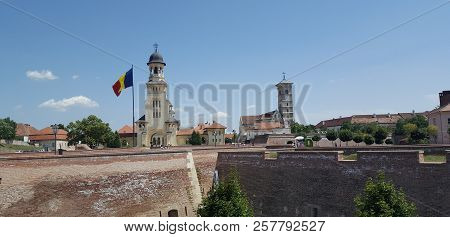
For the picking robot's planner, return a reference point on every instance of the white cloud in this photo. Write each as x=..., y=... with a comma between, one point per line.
x=63, y=104
x=221, y=114
x=42, y=75
x=75, y=77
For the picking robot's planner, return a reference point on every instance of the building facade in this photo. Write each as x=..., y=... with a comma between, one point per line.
x=158, y=126
x=441, y=119
x=275, y=122
x=211, y=134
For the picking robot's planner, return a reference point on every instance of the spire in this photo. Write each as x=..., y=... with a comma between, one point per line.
x=284, y=76
x=155, y=45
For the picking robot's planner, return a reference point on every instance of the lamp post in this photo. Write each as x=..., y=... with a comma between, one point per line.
x=215, y=138
x=55, y=131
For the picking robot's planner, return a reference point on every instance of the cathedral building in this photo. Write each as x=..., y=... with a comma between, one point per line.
x=158, y=125
x=277, y=122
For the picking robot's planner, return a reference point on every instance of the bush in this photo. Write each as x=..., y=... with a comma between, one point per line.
x=389, y=141
x=195, y=139
x=331, y=135
x=345, y=135
x=369, y=140
x=358, y=138
x=226, y=200
x=381, y=199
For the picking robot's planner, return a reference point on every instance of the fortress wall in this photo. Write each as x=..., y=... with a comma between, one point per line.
x=309, y=183
x=427, y=149
x=104, y=185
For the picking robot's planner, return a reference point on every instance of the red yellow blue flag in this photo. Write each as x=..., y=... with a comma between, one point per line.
x=125, y=81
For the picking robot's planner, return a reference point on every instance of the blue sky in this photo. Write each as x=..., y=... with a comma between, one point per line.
x=222, y=43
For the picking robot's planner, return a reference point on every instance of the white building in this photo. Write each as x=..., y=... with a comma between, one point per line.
x=158, y=126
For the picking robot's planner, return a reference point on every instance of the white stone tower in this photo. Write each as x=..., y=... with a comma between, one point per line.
x=285, y=101
x=158, y=126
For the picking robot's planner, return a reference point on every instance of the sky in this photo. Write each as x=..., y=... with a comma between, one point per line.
x=59, y=59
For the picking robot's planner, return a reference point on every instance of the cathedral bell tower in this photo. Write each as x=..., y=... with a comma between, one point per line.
x=158, y=127
x=285, y=101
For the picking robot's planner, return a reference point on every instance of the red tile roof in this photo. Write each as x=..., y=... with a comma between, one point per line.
x=25, y=130
x=47, y=134
x=126, y=130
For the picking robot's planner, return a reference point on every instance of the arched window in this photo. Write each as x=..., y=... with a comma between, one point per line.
x=154, y=141
x=159, y=141
x=173, y=213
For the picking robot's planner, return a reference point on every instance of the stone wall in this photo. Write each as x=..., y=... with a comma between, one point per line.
x=131, y=184
x=321, y=183
x=428, y=149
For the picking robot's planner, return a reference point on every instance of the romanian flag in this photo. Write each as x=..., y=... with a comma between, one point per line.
x=125, y=81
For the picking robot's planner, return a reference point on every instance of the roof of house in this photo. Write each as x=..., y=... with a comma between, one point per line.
x=23, y=129
x=126, y=129
x=47, y=134
x=215, y=125
x=200, y=128
x=366, y=119
x=445, y=108
x=268, y=125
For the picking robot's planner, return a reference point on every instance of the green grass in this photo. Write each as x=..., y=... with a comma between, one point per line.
x=434, y=158
x=272, y=155
x=14, y=148
x=350, y=157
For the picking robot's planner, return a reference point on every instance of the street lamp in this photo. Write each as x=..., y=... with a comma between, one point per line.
x=55, y=131
x=215, y=138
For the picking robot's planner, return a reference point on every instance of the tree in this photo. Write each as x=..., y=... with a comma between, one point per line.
x=331, y=135
x=369, y=140
x=358, y=138
x=316, y=138
x=226, y=200
x=228, y=140
x=7, y=129
x=91, y=131
x=370, y=128
x=380, y=134
x=195, y=138
x=301, y=130
x=382, y=199
x=409, y=128
x=345, y=135
x=432, y=131
x=112, y=140
x=419, y=136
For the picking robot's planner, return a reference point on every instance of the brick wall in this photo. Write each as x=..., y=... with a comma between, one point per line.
x=318, y=182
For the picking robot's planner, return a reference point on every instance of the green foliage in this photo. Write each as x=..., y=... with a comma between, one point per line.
x=382, y=199
x=415, y=130
x=380, y=134
x=346, y=125
x=228, y=140
x=7, y=129
x=358, y=138
x=370, y=128
x=388, y=141
x=91, y=131
x=345, y=135
x=226, y=200
x=301, y=130
x=409, y=128
x=316, y=138
x=331, y=135
x=195, y=138
x=112, y=140
x=369, y=140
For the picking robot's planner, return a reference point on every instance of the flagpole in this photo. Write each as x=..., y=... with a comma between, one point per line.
x=132, y=87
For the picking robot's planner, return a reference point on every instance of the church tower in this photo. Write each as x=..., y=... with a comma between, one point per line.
x=158, y=126
x=285, y=101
